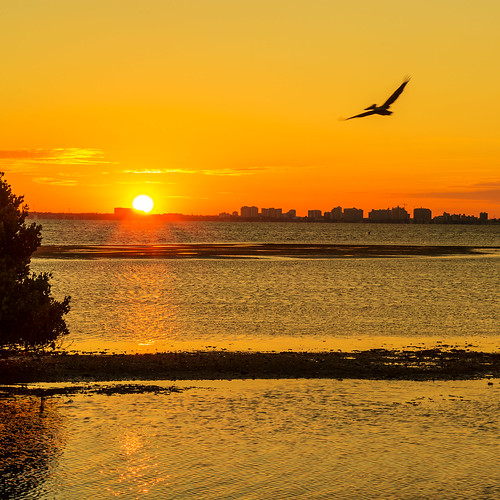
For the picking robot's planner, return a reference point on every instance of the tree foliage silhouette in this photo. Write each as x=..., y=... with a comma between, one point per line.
x=30, y=318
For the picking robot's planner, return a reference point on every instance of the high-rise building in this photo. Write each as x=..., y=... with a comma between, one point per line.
x=352, y=215
x=249, y=212
x=272, y=213
x=336, y=213
x=380, y=215
x=399, y=214
x=314, y=214
x=422, y=215
x=395, y=214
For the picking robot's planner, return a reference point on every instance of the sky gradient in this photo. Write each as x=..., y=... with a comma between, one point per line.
x=208, y=105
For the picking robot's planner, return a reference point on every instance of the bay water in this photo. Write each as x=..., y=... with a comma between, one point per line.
x=259, y=439
x=149, y=305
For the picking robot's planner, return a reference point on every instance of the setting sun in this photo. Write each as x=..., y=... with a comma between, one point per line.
x=143, y=203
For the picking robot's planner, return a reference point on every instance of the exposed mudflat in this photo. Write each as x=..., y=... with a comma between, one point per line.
x=420, y=364
x=249, y=250
x=68, y=390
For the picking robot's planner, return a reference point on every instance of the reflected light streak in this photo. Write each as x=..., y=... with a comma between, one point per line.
x=149, y=229
x=140, y=470
x=132, y=444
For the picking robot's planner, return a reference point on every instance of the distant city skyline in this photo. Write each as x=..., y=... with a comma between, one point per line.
x=354, y=214
x=253, y=213
x=275, y=211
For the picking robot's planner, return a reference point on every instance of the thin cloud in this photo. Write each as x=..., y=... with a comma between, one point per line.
x=240, y=171
x=54, y=182
x=232, y=171
x=180, y=196
x=55, y=156
x=128, y=183
x=494, y=184
x=161, y=171
x=486, y=191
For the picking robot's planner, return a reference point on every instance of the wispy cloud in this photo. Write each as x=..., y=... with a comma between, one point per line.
x=484, y=191
x=142, y=182
x=233, y=172
x=54, y=181
x=230, y=171
x=180, y=196
x=161, y=171
x=54, y=156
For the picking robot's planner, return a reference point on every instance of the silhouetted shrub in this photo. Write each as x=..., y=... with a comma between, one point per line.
x=30, y=318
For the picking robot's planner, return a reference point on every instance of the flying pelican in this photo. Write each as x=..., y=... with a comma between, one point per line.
x=384, y=109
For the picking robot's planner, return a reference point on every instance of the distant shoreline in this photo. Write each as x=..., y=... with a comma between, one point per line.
x=175, y=217
x=379, y=364
x=251, y=250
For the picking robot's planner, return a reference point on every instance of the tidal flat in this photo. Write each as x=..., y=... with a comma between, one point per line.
x=375, y=364
x=251, y=250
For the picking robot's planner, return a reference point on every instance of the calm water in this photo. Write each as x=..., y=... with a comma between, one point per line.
x=287, y=439
x=144, y=232
x=276, y=304
x=282, y=439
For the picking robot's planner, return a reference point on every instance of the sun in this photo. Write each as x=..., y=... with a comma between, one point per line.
x=143, y=203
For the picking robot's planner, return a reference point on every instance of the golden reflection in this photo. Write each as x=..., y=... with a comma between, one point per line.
x=131, y=444
x=30, y=440
x=148, y=313
x=138, y=471
x=128, y=302
x=142, y=230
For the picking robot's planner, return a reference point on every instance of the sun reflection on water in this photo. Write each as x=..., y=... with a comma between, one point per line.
x=131, y=444
x=257, y=439
x=135, y=469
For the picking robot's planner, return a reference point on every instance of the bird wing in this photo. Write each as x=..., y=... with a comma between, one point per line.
x=368, y=113
x=396, y=94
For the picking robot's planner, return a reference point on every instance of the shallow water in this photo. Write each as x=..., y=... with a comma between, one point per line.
x=150, y=232
x=284, y=439
x=276, y=304
x=158, y=305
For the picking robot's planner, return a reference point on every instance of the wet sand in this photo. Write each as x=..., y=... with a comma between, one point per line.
x=423, y=364
x=249, y=250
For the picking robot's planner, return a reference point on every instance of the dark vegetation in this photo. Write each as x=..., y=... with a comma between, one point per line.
x=30, y=318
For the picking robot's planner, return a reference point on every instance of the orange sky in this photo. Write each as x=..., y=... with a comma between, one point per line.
x=208, y=105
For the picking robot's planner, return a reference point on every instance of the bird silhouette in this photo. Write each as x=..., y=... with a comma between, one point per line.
x=384, y=109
